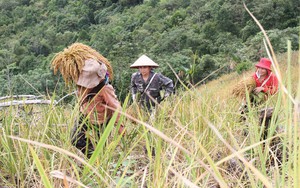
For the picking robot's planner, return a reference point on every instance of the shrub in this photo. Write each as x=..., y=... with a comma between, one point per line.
x=243, y=66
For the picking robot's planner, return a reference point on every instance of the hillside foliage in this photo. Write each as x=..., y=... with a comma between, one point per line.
x=194, y=37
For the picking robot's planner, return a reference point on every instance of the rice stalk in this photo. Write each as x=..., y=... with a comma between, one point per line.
x=245, y=85
x=46, y=181
x=71, y=60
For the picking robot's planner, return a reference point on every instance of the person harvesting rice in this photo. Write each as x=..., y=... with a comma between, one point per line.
x=260, y=85
x=146, y=84
x=265, y=80
x=90, y=71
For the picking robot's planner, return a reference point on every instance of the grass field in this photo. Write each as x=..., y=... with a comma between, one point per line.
x=197, y=136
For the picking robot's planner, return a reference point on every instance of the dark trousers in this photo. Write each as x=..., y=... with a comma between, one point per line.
x=79, y=138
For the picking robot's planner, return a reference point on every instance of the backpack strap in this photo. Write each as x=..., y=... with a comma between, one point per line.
x=149, y=83
x=266, y=80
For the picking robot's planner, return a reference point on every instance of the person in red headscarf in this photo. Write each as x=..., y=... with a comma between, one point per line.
x=266, y=85
x=266, y=81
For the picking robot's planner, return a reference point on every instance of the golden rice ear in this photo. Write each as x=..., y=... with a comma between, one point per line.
x=92, y=53
x=67, y=65
x=72, y=59
x=245, y=85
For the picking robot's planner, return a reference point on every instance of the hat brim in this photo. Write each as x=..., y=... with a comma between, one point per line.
x=92, y=74
x=144, y=61
x=137, y=66
x=262, y=66
x=87, y=80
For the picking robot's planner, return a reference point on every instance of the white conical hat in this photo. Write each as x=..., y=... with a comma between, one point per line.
x=144, y=61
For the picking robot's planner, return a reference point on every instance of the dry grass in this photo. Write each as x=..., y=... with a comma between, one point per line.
x=196, y=135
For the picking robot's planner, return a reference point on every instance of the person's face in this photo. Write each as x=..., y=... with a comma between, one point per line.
x=262, y=71
x=144, y=70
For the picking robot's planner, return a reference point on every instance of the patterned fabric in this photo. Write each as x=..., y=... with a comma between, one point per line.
x=158, y=83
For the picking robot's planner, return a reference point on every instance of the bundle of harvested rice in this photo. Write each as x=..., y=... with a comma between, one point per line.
x=245, y=85
x=72, y=59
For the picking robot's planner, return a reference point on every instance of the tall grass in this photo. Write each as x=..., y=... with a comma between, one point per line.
x=197, y=136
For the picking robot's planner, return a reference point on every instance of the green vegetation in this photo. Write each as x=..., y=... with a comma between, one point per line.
x=187, y=34
x=198, y=139
x=197, y=135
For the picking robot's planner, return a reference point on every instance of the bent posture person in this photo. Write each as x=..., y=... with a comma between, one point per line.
x=266, y=84
x=90, y=71
x=146, y=84
x=260, y=85
x=265, y=80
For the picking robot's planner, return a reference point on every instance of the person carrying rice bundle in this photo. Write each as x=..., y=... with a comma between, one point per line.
x=260, y=85
x=90, y=71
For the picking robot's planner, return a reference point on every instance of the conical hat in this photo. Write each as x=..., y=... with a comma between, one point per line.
x=144, y=61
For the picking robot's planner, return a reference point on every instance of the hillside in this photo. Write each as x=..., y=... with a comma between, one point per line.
x=195, y=37
x=197, y=134
x=222, y=87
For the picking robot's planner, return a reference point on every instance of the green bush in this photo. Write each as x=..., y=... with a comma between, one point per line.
x=243, y=66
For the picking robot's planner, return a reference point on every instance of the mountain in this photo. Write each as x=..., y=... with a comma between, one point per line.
x=195, y=37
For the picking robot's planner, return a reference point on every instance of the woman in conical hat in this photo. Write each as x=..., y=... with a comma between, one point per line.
x=90, y=71
x=148, y=84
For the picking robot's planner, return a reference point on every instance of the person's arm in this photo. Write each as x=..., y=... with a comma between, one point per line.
x=167, y=84
x=273, y=87
x=112, y=101
x=133, y=86
x=259, y=89
x=270, y=87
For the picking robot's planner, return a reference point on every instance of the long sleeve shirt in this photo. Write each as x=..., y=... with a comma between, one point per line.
x=270, y=83
x=96, y=108
x=151, y=87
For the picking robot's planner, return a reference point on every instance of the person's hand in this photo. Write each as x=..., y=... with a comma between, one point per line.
x=122, y=130
x=258, y=89
x=133, y=97
x=167, y=94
